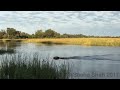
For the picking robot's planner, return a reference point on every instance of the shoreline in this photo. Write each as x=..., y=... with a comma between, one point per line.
x=72, y=41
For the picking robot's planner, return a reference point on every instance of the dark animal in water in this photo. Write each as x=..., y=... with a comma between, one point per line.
x=94, y=57
x=56, y=58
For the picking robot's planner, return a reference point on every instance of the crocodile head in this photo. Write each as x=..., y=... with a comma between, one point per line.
x=56, y=57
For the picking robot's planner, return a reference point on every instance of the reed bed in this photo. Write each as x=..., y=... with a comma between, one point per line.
x=74, y=41
x=79, y=41
x=18, y=67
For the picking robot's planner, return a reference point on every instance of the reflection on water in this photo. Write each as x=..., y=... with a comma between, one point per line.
x=83, y=60
x=8, y=51
x=8, y=46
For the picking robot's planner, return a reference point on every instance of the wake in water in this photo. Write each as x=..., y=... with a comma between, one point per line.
x=110, y=57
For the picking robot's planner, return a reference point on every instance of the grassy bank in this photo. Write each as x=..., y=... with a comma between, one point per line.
x=77, y=41
x=17, y=67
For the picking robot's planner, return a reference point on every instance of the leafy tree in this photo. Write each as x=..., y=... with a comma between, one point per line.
x=17, y=34
x=51, y=33
x=11, y=32
x=23, y=35
x=33, y=36
x=39, y=34
x=57, y=35
x=2, y=33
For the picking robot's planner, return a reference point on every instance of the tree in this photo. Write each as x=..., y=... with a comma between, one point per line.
x=39, y=34
x=2, y=34
x=64, y=36
x=51, y=33
x=33, y=36
x=57, y=35
x=11, y=32
x=24, y=35
x=17, y=34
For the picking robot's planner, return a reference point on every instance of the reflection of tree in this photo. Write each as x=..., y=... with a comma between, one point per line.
x=9, y=44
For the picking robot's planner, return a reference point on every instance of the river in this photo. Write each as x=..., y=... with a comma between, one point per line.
x=91, y=62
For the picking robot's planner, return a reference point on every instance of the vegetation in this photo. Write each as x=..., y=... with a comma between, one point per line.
x=78, y=41
x=71, y=41
x=9, y=51
x=11, y=33
x=47, y=34
x=17, y=67
x=51, y=37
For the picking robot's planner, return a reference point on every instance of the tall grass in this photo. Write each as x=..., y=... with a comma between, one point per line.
x=9, y=51
x=80, y=41
x=75, y=41
x=18, y=67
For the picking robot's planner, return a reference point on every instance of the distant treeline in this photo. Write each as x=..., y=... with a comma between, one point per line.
x=11, y=33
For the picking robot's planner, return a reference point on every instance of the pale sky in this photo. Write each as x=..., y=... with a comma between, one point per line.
x=71, y=22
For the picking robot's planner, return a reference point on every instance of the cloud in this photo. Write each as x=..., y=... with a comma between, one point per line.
x=88, y=22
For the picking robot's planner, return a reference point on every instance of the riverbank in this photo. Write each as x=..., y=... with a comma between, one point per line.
x=73, y=41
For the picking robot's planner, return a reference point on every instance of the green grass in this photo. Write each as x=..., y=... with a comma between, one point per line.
x=9, y=51
x=18, y=67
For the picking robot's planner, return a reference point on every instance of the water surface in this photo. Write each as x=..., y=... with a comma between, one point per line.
x=94, y=62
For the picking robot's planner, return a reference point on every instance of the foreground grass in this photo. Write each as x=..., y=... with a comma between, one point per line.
x=76, y=41
x=9, y=51
x=20, y=68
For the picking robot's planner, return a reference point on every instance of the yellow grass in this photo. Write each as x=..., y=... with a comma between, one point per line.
x=77, y=41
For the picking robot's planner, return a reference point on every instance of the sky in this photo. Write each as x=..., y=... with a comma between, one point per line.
x=102, y=23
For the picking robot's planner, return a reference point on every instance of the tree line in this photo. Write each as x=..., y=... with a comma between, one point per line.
x=11, y=33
